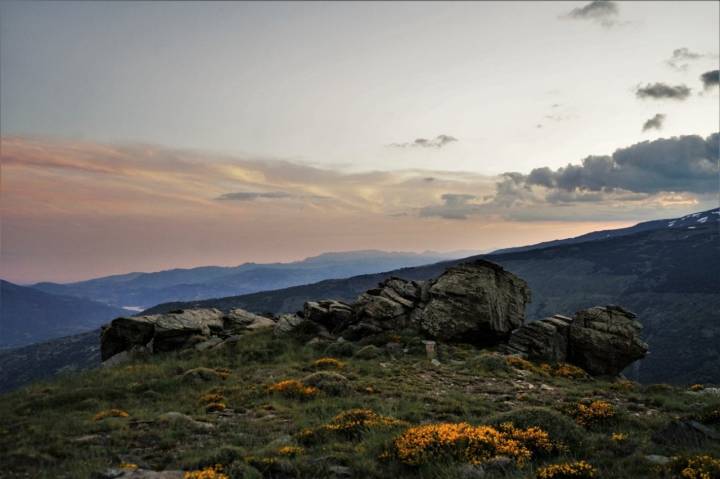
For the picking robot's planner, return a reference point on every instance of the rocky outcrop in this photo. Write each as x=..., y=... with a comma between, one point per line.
x=605, y=340
x=182, y=329
x=474, y=302
x=477, y=302
x=601, y=340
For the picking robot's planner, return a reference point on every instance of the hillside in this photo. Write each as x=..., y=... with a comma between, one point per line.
x=29, y=316
x=142, y=290
x=665, y=275
x=370, y=413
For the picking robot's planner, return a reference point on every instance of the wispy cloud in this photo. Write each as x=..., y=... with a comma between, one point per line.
x=438, y=142
x=681, y=58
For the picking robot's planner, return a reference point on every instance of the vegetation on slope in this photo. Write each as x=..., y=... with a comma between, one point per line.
x=276, y=408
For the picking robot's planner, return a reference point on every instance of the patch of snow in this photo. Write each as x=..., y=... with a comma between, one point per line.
x=702, y=220
x=671, y=224
x=691, y=227
x=137, y=309
x=695, y=215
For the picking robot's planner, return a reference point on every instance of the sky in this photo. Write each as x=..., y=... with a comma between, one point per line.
x=146, y=136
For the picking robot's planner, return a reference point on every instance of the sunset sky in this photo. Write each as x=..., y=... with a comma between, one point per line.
x=147, y=136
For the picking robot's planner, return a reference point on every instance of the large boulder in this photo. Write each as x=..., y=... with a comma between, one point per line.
x=543, y=340
x=605, y=340
x=175, y=330
x=387, y=307
x=476, y=302
x=329, y=313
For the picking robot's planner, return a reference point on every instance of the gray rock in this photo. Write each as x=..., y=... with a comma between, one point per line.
x=238, y=320
x=685, y=433
x=544, y=340
x=474, y=302
x=471, y=471
x=657, y=459
x=168, y=332
x=604, y=341
x=286, y=323
x=174, y=417
x=331, y=314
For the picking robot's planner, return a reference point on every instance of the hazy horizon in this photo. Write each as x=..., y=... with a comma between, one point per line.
x=147, y=136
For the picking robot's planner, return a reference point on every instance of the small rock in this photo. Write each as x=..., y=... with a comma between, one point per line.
x=174, y=417
x=435, y=362
x=340, y=471
x=657, y=459
x=471, y=471
x=200, y=375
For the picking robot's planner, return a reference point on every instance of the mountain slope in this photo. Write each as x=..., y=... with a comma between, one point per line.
x=146, y=289
x=688, y=221
x=28, y=315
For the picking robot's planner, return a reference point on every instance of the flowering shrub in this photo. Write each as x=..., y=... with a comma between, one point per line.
x=569, y=371
x=618, y=437
x=291, y=451
x=294, y=389
x=701, y=466
x=328, y=363
x=462, y=442
x=567, y=470
x=110, y=413
x=697, y=387
x=597, y=412
x=128, y=466
x=356, y=421
x=224, y=373
x=520, y=363
x=212, y=472
x=211, y=398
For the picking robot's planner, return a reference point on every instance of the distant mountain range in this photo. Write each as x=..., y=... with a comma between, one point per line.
x=28, y=315
x=665, y=271
x=137, y=291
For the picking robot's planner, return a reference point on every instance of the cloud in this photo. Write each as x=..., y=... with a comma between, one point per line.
x=438, y=142
x=678, y=164
x=654, y=123
x=253, y=195
x=659, y=91
x=602, y=12
x=680, y=58
x=454, y=207
x=710, y=79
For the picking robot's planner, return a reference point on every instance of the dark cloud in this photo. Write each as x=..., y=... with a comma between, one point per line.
x=679, y=164
x=654, y=123
x=438, y=142
x=710, y=79
x=603, y=12
x=659, y=91
x=254, y=195
x=680, y=58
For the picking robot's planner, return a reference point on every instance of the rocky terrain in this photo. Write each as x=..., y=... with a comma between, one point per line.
x=441, y=378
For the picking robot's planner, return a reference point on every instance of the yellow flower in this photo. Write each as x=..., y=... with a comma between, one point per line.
x=618, y=437
x=110, y=413
x=215, y=407
x=290, y=451
x=594, y=413
x=567, y=470
x=294, y=388
x=212, y=472
x=128, y=466
x=211, y=398
x=697, y=387
x=463, y=442
x=328, y=363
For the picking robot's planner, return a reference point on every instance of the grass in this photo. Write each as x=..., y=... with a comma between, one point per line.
x=50, y=429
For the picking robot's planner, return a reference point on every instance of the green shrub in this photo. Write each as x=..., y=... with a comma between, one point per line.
x=559, y=427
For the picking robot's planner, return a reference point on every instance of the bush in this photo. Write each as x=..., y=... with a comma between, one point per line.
x=340, y=348
x=560, y=428
x=694, y=467
x=462, y=442
x=328, y=382
x=328, y=363
x=293, y=388
x=110, y=413
x=594, y=413
x=567, y=470
x=351, y=424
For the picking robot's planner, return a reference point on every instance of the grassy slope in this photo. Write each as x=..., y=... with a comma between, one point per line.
x=47, y=430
